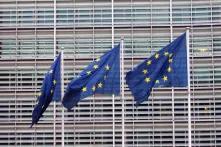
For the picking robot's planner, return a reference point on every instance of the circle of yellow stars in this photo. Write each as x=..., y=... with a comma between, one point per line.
x=149, y=62
x=100, y=84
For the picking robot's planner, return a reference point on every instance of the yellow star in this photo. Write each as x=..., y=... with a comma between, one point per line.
x=144, y=71
x=149, y=62
x=84, y=89
x=107, y=67
x=88, y=72
x=157, y=56
x=100, y=85
x=54, y=82
x=171, y=55
x=169, y=69
x=93, y=88
x=147, y=80
x=157, y=81
x=170, y=60
x=165, y=78
x=166, y=53
x=39, y=94
x=51, y=91
x=95, y=66
x=98, y=59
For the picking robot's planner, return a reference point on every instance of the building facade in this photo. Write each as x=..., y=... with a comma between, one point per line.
x=33, y=31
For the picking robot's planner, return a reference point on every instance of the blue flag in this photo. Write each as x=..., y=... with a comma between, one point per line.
x=166, y=68
x=50, y=90
x=101, y=76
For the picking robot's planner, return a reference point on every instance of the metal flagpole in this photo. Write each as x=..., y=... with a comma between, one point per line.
x=54, y=104
x=171, y=39
x=173, y=116
x=122, y=89
x=113, y=96
x=113, y=119
x=62, y=95
x=189, y=95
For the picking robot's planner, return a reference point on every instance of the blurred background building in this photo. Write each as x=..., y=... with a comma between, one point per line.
x=32, y=31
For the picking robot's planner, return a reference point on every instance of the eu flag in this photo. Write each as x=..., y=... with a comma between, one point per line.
x=50, y=90
x=166, y=68
x=101, y=76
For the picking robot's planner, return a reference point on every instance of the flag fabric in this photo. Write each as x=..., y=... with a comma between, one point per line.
x=50, y=90
x=166, y=68
x=101, y=76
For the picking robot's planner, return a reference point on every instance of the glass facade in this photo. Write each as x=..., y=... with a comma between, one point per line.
x=30, y=30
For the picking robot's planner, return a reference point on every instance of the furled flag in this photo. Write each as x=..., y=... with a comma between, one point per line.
x=50, y=90
x=101, y=76
x=166, y=68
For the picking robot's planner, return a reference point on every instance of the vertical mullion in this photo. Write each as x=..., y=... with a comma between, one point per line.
x=36, y=75
x=214, y=102
x=16, y=71
x=75, y=52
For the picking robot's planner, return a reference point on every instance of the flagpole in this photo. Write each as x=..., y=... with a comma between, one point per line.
x=189, y=94
x=54, y=104
x=113, y=96
x=173, y=115
x=62, y=95
x=113, y=119
x=122, y=89
x=171, y=39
